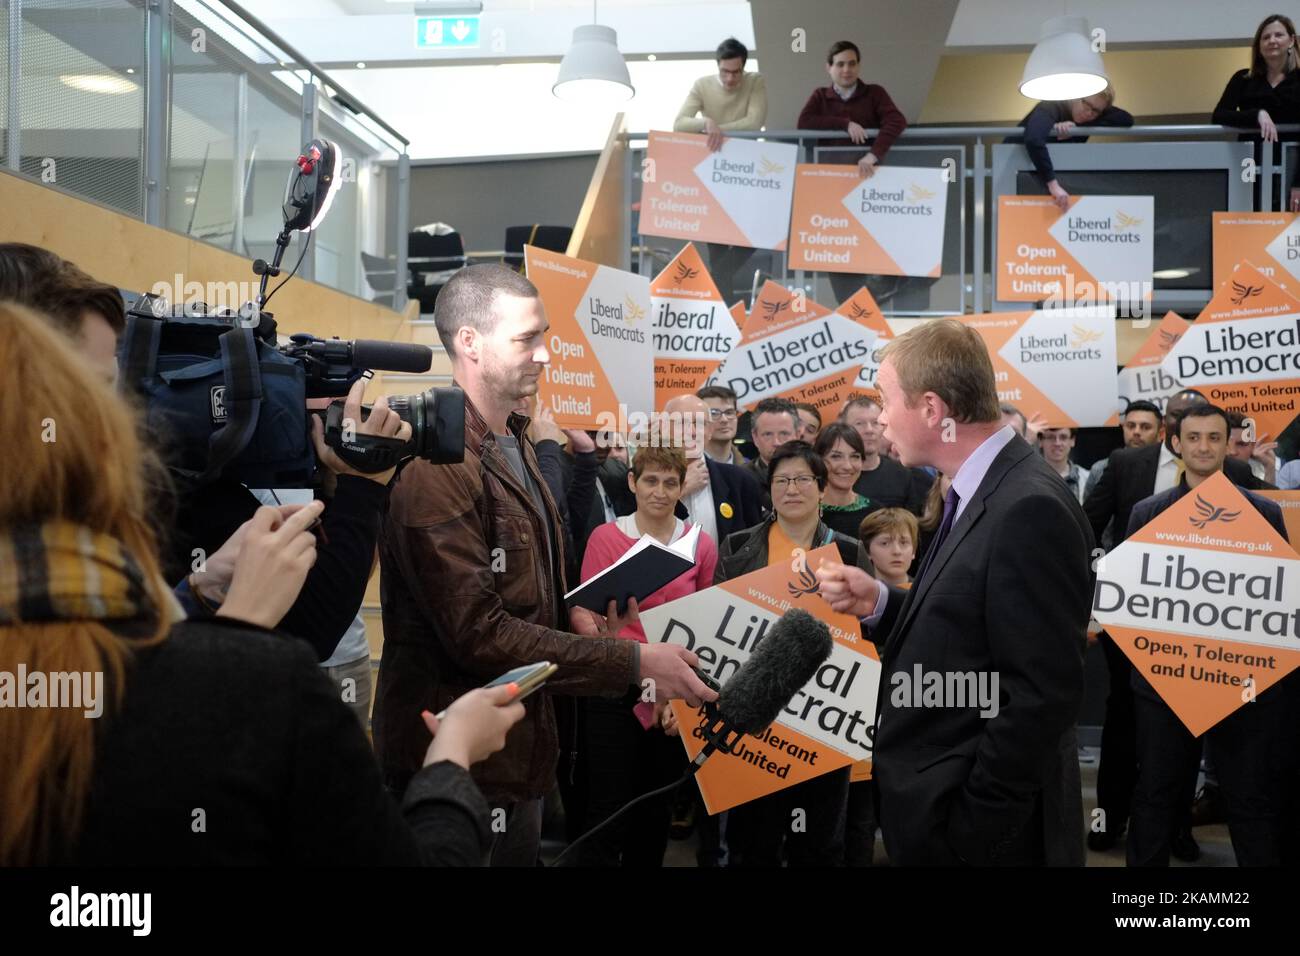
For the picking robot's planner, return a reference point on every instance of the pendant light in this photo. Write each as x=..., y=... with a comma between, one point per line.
x=593, y=71
x=1063, y=64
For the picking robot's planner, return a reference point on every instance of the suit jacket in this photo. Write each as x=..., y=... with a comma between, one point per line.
x=737, y=498
x=612, y=475
x=1130, y=476
x=1008, y=594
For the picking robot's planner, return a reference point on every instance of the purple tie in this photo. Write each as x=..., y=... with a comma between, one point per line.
x=949, y=510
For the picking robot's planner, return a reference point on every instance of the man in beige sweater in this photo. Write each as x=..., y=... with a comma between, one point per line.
x=730, y=100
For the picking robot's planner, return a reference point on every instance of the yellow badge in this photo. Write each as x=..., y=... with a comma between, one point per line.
x=726, y=510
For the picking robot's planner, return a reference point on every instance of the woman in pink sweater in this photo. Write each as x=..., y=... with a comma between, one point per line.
x=626, y=750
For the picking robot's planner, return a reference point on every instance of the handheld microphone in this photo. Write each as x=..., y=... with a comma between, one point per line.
x=785, y=660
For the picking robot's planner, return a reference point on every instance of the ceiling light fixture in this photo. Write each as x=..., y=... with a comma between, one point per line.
x=1063, y=64
x=593, y=72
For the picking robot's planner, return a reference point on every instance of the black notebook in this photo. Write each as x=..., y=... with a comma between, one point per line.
x=644, y=569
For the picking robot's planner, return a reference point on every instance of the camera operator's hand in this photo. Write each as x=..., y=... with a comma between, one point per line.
x=273, y=563
x=382, y=421
x=212, y=580
x=474, y=726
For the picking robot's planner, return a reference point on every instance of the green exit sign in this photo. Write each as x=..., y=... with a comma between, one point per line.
x=446, y=33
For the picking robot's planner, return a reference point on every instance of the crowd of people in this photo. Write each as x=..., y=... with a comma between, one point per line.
x=1256, y=99
x=965, y=532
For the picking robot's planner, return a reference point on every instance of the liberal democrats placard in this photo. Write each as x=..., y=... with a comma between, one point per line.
x=1205, y=601
x=602, y=357
x=1099, y=250
x=739, y=195
x=1243, y=351
x=828, y=725
x=692, y=328
x=1059, y=363
x=1269, y=241
x=1144, y=378
x=791, y=347
x=890, y=224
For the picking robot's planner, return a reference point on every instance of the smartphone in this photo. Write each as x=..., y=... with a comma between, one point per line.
x=529, y=677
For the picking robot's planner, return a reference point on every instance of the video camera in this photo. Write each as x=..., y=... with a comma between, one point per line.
x=231, y=398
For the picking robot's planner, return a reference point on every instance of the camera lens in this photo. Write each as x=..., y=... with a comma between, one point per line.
x=437, y=420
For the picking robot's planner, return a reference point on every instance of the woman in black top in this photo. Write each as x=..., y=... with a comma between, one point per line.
x=1058, y=118
x=1269, y=92
x=842, y=450
x=181, y=742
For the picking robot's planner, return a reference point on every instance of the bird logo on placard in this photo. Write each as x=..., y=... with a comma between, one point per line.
x=805, y=582
x=683, y=273
x=859, y=311
x=1169, y=339
x=920, y=194
x=1083, y=336
x=1241, y=292
x=768, y=168
x=634, y=312
x=1210, y=513
x=773, y=309
x=1124, y=221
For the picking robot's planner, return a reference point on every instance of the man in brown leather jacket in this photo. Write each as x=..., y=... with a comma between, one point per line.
x=472, y=559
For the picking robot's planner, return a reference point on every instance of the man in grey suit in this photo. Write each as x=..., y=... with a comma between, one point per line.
x=975, y=748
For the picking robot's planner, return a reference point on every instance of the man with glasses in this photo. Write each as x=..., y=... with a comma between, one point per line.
x=719, y=498
x=730, y=99
x=723, y=417
x=1058, y=119
x=1056, y=445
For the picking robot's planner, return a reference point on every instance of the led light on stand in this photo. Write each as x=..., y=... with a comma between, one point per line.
x=333, y=158
x=1063, y=65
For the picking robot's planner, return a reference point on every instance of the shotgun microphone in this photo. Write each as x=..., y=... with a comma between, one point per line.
x=785, y=660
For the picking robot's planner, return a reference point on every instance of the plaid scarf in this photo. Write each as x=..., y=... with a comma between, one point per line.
x=59, y=571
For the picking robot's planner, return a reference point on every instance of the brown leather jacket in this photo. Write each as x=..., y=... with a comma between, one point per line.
x=459, y=612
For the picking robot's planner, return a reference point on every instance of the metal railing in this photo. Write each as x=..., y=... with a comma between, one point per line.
x=188, y=114
x=1252, y=178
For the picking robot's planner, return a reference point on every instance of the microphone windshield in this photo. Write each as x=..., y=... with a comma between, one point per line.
x=391, y=356
x=785, y=660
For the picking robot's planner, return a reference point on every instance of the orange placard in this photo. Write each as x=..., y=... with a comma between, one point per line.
x=1270, y=241
x=1289, y=502
x=828, y=725
x=1099, y=250
x=1243, y=351
x=601, y=352
x=861, y=307
x=693, y=330
x=1205, y=601
x=1058, y=363
x=792, y=347
x=1142, y=379
x=890, y=224
x=739, y=195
